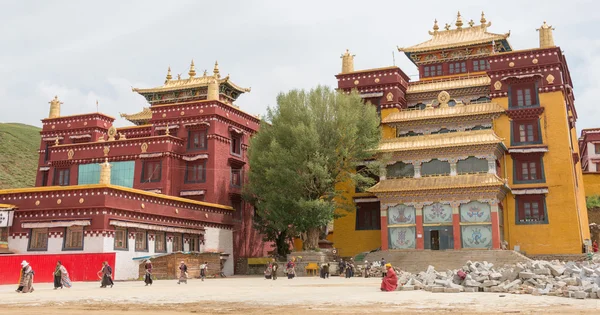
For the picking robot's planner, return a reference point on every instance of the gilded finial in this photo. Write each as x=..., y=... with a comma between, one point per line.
x=471, y=23
x=179, y=76
x=483, y=20
x=435, y=26
x=447, y=27
x=167, y=132
x=192, y=72
x=205, y=73
x=546, y=36
x=347, y=62
x=54, y=107
x=169, y=76
x=216, y=70
x=459, y=22
x=56, y=141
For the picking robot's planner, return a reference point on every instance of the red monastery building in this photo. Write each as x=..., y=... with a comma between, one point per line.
x=172, y=182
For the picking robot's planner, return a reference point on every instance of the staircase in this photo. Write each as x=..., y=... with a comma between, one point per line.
x=418, y=260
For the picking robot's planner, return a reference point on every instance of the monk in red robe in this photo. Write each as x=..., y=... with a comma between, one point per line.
x=390, y=281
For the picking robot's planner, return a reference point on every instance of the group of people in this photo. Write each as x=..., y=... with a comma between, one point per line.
x=272, y=267
x=347, y=268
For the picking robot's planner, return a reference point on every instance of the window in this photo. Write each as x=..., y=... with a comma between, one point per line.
x=408, y=134
x=38, y=241
x=368, y=216
x=236, y=177
x=480, y=65
x=44, y=178
x=121, y=173
x=159, y=242
x=237, y=208
x=597, y=148
x=177, y=243
x=73, y=238
x=400, y=170
x=197, y=140
x=435, y=167
x=531, y=209
x=194, y=244
x=432, y=71
x=529, y=169
x=523, y=95
x=47, y=152
x=458, y=67
x=61, y=177
x=120, y=238
x=526, y=131
x=151, y=171
x=472, y=165
x=195, y=172
x=236, y=144
x=141, y=241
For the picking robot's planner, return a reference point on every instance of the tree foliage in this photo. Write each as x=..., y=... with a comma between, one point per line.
x=308, y=144
x=592, y=201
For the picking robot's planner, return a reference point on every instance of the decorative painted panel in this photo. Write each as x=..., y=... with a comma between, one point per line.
x=476, y=236
x=401, y=214
x=437, y=213
x=402, y=237
x=475, y=211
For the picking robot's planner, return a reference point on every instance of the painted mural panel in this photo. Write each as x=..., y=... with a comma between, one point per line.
x=437, y=213
x=402, y=237
x=476, y=236
x=475, y=211
x=401, y=214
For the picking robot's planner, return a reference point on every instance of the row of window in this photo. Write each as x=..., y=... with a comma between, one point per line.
x=441, y=131
x=455, y=68
x=195, y=172
x=73, y=240
x=530, y=209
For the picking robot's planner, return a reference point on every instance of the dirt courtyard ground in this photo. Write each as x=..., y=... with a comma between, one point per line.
x=252, y=295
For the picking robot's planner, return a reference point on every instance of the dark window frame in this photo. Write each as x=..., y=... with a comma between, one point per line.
x=44, y=179
x=145, y=238
x=368, y=219
x=59, y=178
x=66, y=238
x=125, y=239
x=145, y=165
x=480, y=65
x=236, y=172
x=536, y=135
x=457, y=67
x=513, y=95
x=202, y=134
x=524, y=203
x=597, y=148
x=37, y=249
x=192, y=169
x=196, y=245
x=180, y=243
x=432, y=70
x=236, y=144
x=518, y=163
x=157, y=235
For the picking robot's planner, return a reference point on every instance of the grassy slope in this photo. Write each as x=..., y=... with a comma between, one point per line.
x=18, y=155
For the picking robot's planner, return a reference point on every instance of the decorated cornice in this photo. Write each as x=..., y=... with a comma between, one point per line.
x=524, y=113
x=197, y=108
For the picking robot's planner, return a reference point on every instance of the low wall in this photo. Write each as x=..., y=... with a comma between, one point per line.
x=81, y=267
x=167, y=266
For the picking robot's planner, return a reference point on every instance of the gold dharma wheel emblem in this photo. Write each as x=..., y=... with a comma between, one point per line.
x=70, y=154
x=356, y=82
x=144, y=147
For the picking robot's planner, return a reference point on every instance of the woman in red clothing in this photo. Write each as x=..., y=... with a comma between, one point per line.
x=595, y=247
x=390, y=281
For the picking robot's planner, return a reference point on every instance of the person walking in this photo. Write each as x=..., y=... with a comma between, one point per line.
x=183, y=275
x=26, y=278
x=367, y=269
x=383, y=269
x=203, y=270
x=290, y=269
x=148, y=276
x=61, y=276
x=106, y=273
x=275, y=267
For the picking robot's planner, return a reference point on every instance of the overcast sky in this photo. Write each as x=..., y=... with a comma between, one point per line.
x=85, y=51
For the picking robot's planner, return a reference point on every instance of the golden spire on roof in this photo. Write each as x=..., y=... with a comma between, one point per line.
x=347, y=62
x=205, y=73
x=546, y=37
x=459, y=22
x=169, y=76
x=483, y=20
x=447, y=27
x=216, y=70
x=435, y=26
x=54, y=107
x=192, y=72
x=471, y=23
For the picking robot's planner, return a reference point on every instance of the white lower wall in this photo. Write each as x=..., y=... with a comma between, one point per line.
x=125, y=267
x=220, y=240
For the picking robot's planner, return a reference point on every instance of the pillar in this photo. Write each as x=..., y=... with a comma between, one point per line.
x=491, y=164
x=453, y=171
x=456, y=224
x=417, y=165
x=105, y=173
x=384, y=227
x=495, y=225
x=382, y=172
x=419, y=226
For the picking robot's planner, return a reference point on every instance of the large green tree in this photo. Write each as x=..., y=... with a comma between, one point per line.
x=306, y=146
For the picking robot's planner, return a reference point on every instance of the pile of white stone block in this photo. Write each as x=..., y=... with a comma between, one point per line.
x=579, y=280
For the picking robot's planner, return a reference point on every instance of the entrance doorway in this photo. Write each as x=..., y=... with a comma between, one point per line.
x=435, y=240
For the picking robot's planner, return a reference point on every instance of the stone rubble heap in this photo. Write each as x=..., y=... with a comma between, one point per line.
x=572, y=279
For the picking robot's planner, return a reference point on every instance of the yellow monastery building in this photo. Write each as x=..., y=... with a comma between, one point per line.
x=482, y=149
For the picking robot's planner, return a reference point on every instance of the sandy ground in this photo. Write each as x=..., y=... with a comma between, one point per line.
x=250, y=295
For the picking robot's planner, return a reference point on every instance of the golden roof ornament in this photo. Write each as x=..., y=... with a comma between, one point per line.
x=192, y=72
x=471, y=23
x=347, y=62
x=447, y=27
x=459, y=22
x=179, y=76
x=483, y=20
x=435, y=26
x=56, y=141
x=443, y=98
x=205, y=73
x=169, y=76
x=54, y=107
x=216, y=70
x=546, y=36
x=105, y=172
x=167, y=132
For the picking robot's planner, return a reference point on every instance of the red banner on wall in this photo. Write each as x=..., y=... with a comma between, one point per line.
x=81, y=267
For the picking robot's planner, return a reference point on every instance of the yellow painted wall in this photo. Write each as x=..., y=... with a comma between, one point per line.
x=591, y=182
x=565, y=201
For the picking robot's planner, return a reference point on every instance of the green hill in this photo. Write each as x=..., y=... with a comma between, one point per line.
x=19, y=144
